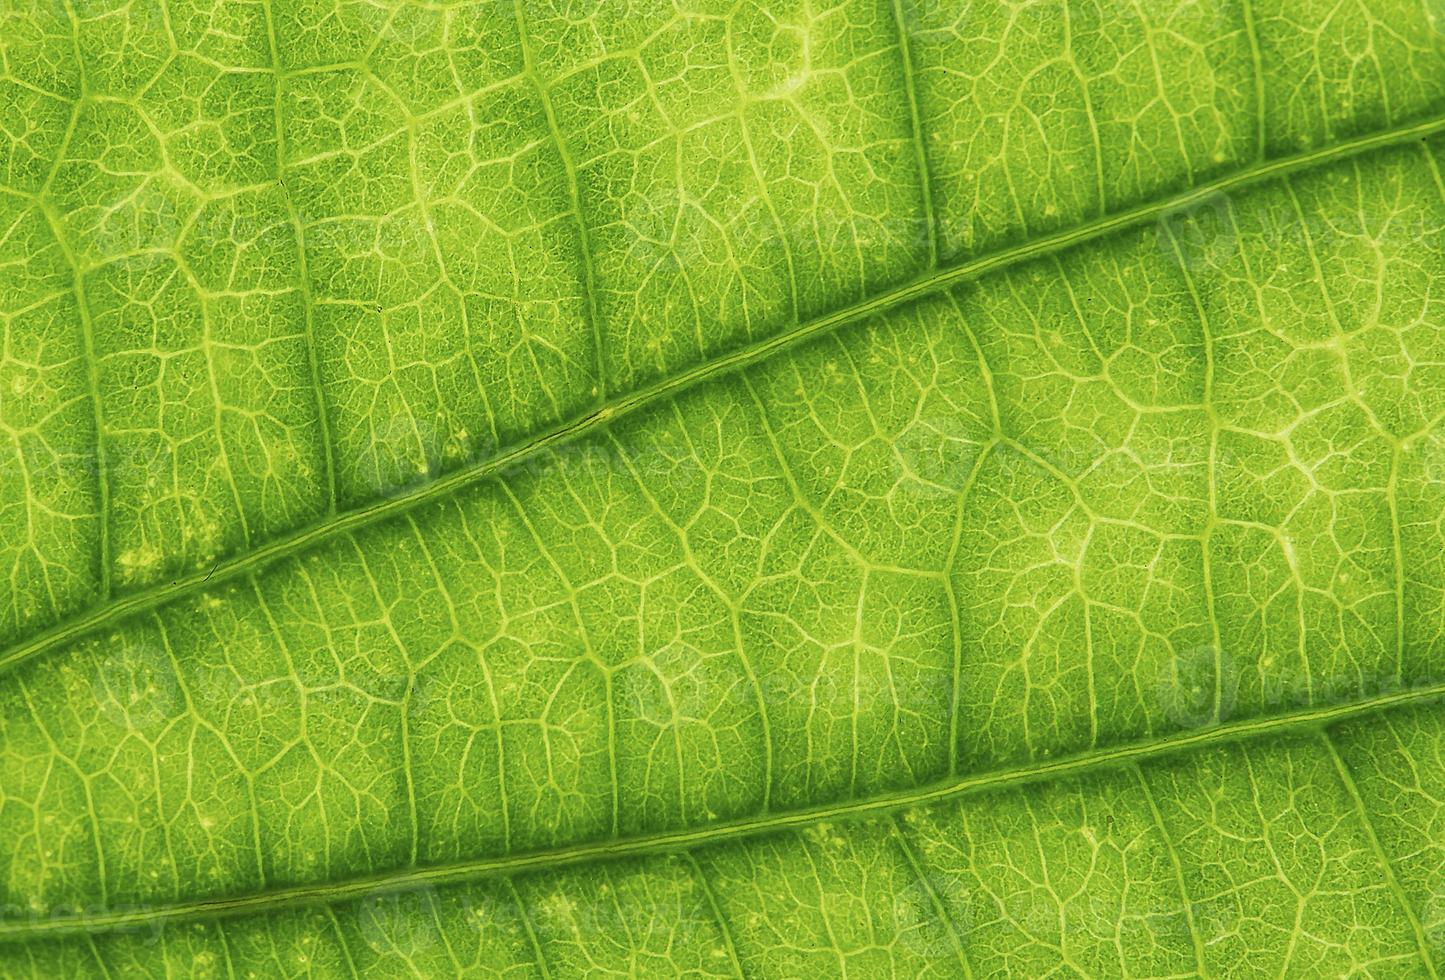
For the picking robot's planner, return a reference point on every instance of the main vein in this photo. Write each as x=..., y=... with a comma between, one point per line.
x=113, y=610
x=461, y=872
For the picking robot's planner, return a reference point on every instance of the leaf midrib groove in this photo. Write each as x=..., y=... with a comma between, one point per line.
x=111, y=611
x=1313, y=719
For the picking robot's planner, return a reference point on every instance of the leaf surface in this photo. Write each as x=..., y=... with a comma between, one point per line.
x=865, y=487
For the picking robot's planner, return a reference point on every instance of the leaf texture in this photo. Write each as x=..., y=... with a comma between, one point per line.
x=838, y=487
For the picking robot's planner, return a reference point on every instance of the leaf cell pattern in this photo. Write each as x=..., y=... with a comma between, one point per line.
x=841, y=487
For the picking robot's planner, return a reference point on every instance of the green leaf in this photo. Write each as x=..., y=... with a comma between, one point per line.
x=764, y=488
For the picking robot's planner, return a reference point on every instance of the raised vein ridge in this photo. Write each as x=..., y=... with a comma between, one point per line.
x=62, y=922
x=109, y=612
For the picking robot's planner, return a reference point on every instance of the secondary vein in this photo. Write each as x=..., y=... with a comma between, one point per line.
x=107, y=613
x=1318, y=719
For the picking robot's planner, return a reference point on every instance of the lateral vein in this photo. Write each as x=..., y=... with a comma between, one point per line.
x=1318, y=719
x=108, y=612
